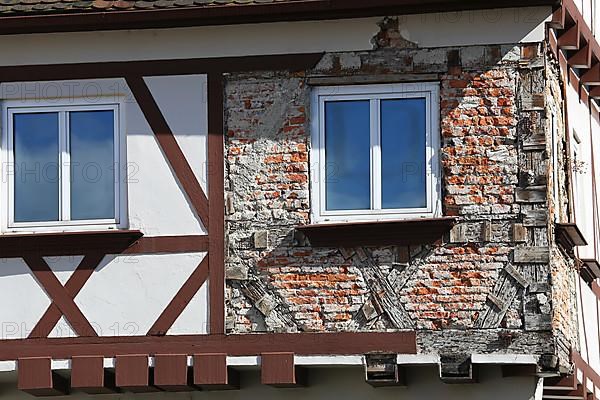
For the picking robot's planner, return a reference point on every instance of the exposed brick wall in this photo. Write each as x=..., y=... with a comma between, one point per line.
x=472, y=283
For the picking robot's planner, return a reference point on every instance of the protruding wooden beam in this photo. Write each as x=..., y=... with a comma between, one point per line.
x=211, y=373
x=382, y=370
x=570, y=39
x=592, y=76
x=595, y=92
x=582, y=58
x=457, y=368
x=35, y=376
x=558, y=19
x=568, y=381
x=89, y=376
x=171, y=373
x=278, y=370
x=132, y=373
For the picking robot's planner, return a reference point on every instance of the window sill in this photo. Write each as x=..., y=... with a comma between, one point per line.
x=409, y=232
x=568, y=236
x=67, y=243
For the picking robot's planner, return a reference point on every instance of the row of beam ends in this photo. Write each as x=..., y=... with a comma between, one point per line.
x=172, y=372
x=581, y=48
x=132, y=373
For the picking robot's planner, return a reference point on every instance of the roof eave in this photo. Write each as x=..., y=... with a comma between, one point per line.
x=239, y=14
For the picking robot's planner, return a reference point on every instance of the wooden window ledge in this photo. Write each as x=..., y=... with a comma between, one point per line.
x=568, y=236
x=67, y=243
x=409, y=232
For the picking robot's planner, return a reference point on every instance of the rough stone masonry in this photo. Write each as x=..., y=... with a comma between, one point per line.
x=488, y=288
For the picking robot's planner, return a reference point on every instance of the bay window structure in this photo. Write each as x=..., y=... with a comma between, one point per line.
x=62, y=166
x=375, y=149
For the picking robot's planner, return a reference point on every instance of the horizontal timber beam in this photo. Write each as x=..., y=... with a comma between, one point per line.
x=121, y=69
x=233, y=345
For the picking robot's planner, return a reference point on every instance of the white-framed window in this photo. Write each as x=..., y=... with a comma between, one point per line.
x=374, y=152
x=62, y=165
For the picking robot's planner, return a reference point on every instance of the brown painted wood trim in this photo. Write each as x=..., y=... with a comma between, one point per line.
x=181, y=299
x=211, y=372
x=558, y=19
x=278, y=370
x=120, y=69
x=595, y=92
x=59, y=295
x=168, y=143
x=585, y=368
x=171, y=372
x=592, y=76
x=73, y=286
x=35, y=377
x=169, y=244
x=216, y=178
x=570, y=39
x=215, y=14
x=67, y=243
x=582, y=58
x=89, y=376
x=342, y=343
x=379, y=233
x=132, y=373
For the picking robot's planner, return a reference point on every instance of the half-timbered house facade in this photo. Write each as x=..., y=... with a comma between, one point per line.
x=256, y=199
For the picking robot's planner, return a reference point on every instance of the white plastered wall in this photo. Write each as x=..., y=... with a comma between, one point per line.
x=348, y=383
x=126, y=294
x=502, y=26
x=589, y=320
x=580, y=129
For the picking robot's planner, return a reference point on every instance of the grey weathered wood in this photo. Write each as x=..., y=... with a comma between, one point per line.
x=496, y=301
x=516, y=275
x=509, y=285
x=519, y=233
x=525, y=255
x=539, y=287
x=534, y=102
x=532, y=194
x=536, y=142
x=458, y=233
x=535, y=218
x=538, y=322
x=268, y=304
x=403, y=255
x=383, y=294
x=486, y=231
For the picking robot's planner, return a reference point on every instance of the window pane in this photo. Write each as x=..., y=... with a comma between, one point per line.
x=348, y=155
x=403, y=164
x=92, y=165
x=36, y=183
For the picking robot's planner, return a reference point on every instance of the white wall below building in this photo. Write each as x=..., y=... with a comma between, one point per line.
x=341, y=383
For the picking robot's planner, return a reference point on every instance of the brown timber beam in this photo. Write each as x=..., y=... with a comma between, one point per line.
x=89, y=376
x=278, y=370
x=211, y=372
x=570, y=39
x=582, y=58
x=171, y=373
x=121, y=69
x=592, y=76
x=35, y=376
x=132, y=373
